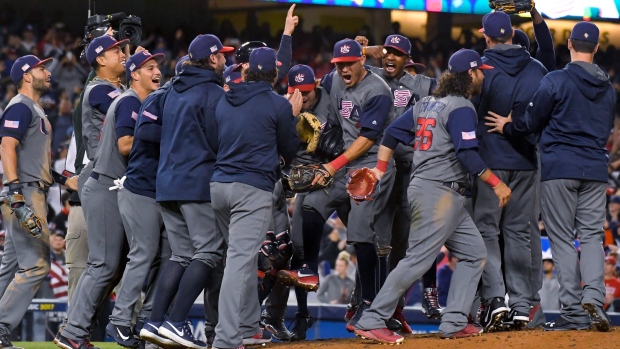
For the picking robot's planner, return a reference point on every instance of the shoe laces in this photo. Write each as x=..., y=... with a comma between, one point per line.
x=188, y=326
x=431, y=296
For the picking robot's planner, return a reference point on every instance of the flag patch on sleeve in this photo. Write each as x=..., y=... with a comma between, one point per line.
x=468, y=135
x=11, y=124
x=149, y=115
x=114, y=94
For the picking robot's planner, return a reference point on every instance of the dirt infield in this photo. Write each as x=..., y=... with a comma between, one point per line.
x=525, y=339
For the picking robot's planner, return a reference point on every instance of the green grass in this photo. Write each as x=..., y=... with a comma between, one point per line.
x=50, y=345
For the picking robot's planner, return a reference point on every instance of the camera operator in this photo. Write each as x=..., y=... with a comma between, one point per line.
x=69, y=74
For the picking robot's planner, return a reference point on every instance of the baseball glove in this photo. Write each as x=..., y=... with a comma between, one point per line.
x=331, y=143
x=301, y=177
x=309, y=129
x=513, y=6
x=361, y=184
x=27, y=219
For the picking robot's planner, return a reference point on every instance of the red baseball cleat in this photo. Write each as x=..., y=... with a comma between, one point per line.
x=398, y=315
x=469, y=331
x=381, y=335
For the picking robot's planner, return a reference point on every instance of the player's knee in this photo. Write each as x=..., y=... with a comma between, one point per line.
x=182, y=260
x=209, y=259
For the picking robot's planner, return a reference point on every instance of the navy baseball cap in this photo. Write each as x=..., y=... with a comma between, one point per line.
x=399, y=43
x=347, y=50
x=419, y=67
x=521, y=38
x=496, y=24
x=585, y=31
x=179, y=66
x=25, y=64
x=464, y=59
x=263, y=59
x=232, y=76
x=205, y=45
x=138, y=59
x=614, y=199
x=301, y=77
x=101, y=44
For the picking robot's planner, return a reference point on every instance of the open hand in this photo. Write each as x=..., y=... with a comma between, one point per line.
x=496, y=122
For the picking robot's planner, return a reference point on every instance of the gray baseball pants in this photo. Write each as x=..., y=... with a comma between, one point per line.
x=76, y=242
x=572, y=208
x=9, y=267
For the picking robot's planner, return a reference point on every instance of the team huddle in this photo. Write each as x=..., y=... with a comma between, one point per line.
x=181, y=189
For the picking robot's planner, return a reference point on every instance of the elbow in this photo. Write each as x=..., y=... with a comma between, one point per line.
x=124, y=149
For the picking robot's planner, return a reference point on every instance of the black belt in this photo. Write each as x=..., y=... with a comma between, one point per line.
x=456, y=186
x=38, y=185
x=94, y=175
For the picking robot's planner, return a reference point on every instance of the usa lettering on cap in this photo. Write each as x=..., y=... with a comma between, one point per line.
x=299, y=77
x=25, y=67
x=395, y=40
x=344, y=49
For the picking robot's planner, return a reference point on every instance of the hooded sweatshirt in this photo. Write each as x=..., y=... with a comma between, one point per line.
x=254, y=127
x=508, y=87
x=574, y=110
x=188, y=136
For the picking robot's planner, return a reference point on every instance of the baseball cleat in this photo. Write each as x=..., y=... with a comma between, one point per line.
x=350, y=327
x=302, y=324
x=430, y=303
x=516, y=320
x=470, y=330
x=493, y=315
x=598, y=317
x=63, y=342
x=561, y=324
x=381, y=335
x=181, y=333
x=262, y=337
x=277, y=329
x=123, y=335
x=398, y=315
x=302, y=278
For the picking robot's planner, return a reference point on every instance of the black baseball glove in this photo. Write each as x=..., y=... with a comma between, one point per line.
x=331, y=143
x=512, y=7
x=301, y=177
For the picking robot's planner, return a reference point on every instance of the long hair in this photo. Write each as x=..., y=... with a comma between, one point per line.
x=456, y=84
x=269, y=76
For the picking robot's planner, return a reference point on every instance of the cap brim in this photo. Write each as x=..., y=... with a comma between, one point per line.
x=158, y=57
x=278, y=64
x=301, y=88
x=397, y=48
x=485, y=66
x=345, y=59
x=226, y=49
x=237, y=67
x=43, y=61
x=121, y=43
x=419, y=67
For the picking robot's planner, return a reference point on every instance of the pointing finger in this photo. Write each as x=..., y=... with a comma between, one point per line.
x=290, y=10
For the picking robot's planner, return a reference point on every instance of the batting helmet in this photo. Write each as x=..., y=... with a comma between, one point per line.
x=243, y=53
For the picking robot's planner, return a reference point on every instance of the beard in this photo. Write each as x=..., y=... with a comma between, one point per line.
x=40, y=86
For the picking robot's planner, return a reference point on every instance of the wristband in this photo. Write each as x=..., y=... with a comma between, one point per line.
x=364, y=50
x=382, y=165
x=493, y=181
x=339, y=162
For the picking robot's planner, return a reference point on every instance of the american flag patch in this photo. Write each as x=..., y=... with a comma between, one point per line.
x=323, y=126
x=134, y=115
x=114, y=94
x=468, y=135
x=401, y=98
x=149, y=115
x=346, y=109
x=11, y=124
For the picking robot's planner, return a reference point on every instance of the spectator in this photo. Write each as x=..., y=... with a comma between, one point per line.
x=333, y=242
x=444, y=275
x=337, y=287
x=58, y=225
x=550, y=292
x=612, y=283
x=69, y=74
x=59, y=281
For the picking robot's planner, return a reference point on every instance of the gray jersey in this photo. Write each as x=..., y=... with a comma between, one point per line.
x=434, y=157
x=33, y=152
x=92, y=118
x=367, y=104
x=108, y=160
x=323, y=111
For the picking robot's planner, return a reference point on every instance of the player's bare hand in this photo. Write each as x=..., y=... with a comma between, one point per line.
x=291, y=21
x=503, y=193
x=496, y=122
x=140, y=49
x=296, y=101
x=377, y=172
x=110, y=31
x=71, y=183
x=375, y=52
x=362, y=40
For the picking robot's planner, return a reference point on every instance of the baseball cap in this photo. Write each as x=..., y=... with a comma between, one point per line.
x=205, y=45
x=547, y=256
x=585, y=31
x=101, y=44
x=263, y=59
x=231, y=75
x=419, y=67
x=399, y=43
x=521, y=38
x=347, y=50
x=301, y=77
x=465, y=59
x=25, y=64
x=496, y=24
x=138, y=59
x=610, y=260
x=614, y=199
x=179, y=66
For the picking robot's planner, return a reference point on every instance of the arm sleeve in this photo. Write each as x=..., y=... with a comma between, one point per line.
x=326, y=81
x=126, y=115
x=285, y=55
x=102, y=96
x=375, y=112
x=148, y=127
x=287, y=138
x=545, y=52
x=462, y=128
x=15, y=121
x=401, y=130
x=536, y=115
x=432, y=87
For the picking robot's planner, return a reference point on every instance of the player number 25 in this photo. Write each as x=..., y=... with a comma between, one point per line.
x=423, y=135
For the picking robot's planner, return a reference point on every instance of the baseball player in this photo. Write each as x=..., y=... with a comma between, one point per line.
x=246, y=170
x=231, y=76
x=442, y=129
x=509, y=86
x=545, y=52
x=412, y=68
x=363, y=101
x=26, y=137
x=107, y=240
x=406, y=90
x=182, y=188
x=141, y=216
x=573, y=111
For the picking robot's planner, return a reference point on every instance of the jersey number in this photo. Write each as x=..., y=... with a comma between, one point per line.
x=423, y=135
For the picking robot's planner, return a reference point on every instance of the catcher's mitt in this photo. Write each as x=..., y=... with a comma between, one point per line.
x=309, y=129
x=301, y=177
x=513, y=6
x=331, y=143
x=361, y=184
x=27, y=219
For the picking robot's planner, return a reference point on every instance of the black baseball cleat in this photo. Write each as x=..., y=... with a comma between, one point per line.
x=430, y=303
x=5, y=343
x=67, y=343
x=494, y=313
x=516, y=320
x=277, y=329
x=302, y=324
x=598, y=317
x=561, y=324
x=123, y=335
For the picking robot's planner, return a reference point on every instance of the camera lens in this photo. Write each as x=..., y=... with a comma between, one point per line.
x=129, y=32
